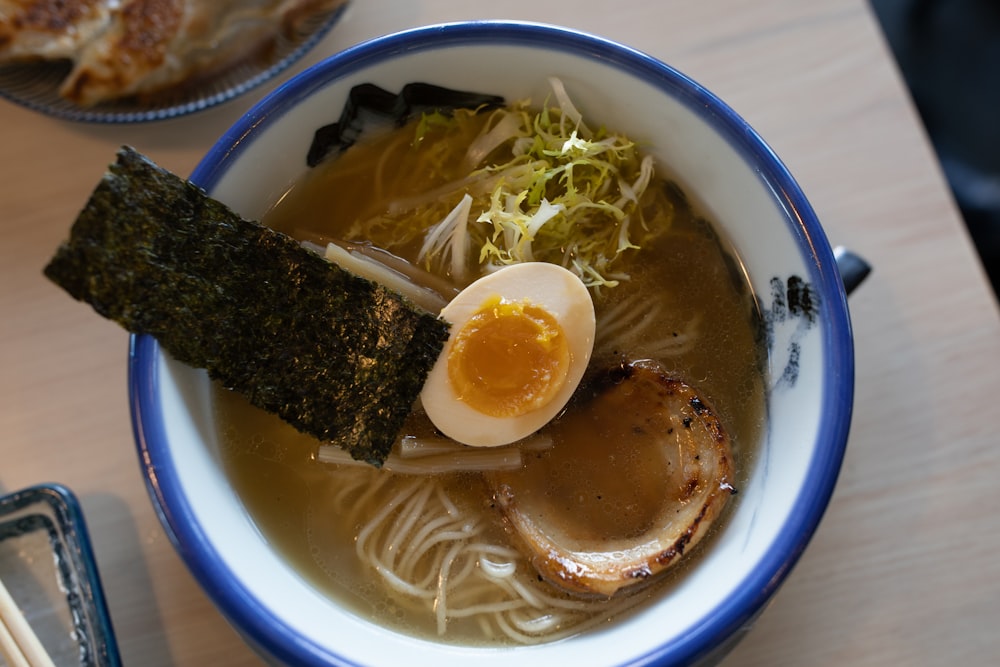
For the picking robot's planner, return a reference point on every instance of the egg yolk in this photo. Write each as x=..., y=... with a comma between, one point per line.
x=508, y=359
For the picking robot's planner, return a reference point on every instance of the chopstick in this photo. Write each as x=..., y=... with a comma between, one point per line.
x=19, y=644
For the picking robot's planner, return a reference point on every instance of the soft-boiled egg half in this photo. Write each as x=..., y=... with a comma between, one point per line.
x=520, y=341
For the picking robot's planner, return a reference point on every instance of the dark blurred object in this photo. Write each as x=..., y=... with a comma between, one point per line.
x=949, y=54
x=853, y=268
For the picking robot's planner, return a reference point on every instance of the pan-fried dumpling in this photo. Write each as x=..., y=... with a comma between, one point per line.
x=156, y=44
x=46, y=30
x=124, y=48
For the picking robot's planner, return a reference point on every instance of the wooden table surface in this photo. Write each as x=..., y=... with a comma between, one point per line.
x=904, y=569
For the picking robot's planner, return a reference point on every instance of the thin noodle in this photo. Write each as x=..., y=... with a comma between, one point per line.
x=511, y=633
x=441, y=603
x=450, y=507
x=398, y=584
x=487, y=608
x=536, y=625
x=424, y=545
x=386, y=510
x=467, y=569
x=404, y=523
x=417, y=546
x=386, y=157
x=431, y=541
x=495, y=570
x=496, y=550
x=371, y=487
x=624, y=325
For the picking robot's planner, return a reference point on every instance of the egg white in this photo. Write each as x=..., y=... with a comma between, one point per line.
x=551, y=287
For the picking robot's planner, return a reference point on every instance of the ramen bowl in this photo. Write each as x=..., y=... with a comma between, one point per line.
x=780, y=249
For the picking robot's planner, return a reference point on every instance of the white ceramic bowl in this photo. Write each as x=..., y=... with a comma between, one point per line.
x=722, y=161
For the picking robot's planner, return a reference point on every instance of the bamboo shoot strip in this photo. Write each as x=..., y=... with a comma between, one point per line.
x=339, y=357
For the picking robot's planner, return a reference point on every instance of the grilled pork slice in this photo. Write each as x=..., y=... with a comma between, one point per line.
x=635, y=478
x=48, y=30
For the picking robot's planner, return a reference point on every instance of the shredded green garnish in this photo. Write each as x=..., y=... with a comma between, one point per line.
x=520, y=185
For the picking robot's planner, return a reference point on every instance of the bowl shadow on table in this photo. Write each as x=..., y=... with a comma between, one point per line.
x=132, y=587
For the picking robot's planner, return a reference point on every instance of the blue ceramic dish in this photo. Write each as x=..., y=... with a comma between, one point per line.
x=48, y=566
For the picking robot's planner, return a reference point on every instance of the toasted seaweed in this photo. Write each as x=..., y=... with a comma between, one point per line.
x=367, y=101
x=337, y=356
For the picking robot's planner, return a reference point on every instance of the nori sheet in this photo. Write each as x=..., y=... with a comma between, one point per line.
x=337, y=356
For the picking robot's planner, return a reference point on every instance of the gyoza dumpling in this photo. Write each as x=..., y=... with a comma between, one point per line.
x=47, y=30
x=156, y=44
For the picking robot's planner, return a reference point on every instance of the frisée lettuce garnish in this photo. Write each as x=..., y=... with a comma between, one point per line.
x=522, y=184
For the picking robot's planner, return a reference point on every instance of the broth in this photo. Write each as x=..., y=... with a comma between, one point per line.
x=698, y=322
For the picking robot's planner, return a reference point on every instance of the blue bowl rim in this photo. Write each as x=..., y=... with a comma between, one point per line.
x=281, y=641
